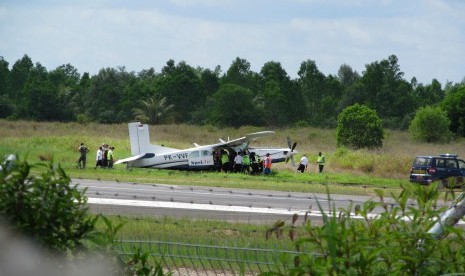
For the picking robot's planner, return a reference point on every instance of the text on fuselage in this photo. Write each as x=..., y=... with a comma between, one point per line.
x=176, y=156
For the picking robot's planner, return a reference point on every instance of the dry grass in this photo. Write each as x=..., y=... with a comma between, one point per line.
x=62, y=139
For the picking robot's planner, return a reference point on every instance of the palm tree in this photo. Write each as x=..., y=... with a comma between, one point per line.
x=151, y=110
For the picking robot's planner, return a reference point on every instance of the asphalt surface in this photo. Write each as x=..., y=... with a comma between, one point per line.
x=239, y=205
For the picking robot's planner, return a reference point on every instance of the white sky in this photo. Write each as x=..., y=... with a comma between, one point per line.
x=427, y=36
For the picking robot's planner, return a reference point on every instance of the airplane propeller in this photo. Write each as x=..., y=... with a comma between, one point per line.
x=290, y=155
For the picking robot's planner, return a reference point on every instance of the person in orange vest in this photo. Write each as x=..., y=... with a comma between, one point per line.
x=267, y=164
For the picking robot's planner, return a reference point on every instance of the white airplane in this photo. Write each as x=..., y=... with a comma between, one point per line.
x=146, y=155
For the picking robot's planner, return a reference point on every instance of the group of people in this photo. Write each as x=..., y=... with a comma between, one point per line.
x=251, y=163
x=104, y=157
x=244, y=162
x=303, y=164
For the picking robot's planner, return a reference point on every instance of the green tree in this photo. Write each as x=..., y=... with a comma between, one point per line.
x=351, y=85
x=312, y=84
x=141, y=87
x=347, y=76
x=280, y=102
x=359, y=127
x=18, y=77
x=454, y=105
x=77, y=102
x=152, y=110
x=182, y=87
x=431, y=125
x=4, y=77
x=431, y=94
x=385, y=91
x=105, y=94
x=321, y=94
x=210, y=84
x=330, y=102
x=239, y=73
x=210, y=80
x=6, y=105
x=65, y=81
x=41, y=101
x=232, y=106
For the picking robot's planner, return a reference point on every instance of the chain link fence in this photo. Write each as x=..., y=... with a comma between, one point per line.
x=194, y=259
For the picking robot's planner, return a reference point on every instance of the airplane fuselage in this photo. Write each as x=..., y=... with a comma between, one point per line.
x=199, y=158
x=206, y=157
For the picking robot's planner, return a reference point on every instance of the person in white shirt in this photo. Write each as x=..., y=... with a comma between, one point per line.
x=303, y=164
x=238, y=162
x=99, y=157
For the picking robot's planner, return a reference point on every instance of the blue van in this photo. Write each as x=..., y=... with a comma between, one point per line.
x=427, y=169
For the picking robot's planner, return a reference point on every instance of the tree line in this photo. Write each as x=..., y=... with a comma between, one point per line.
x=181, y=93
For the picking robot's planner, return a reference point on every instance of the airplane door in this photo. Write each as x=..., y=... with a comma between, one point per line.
x=200, y=159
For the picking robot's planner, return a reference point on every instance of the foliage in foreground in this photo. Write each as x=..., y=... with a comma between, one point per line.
x=44, y=207
x=395, y=243
x=54, y=214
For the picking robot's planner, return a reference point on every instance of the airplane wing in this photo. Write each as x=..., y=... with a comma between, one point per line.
x=134, y=158
x=243, y=140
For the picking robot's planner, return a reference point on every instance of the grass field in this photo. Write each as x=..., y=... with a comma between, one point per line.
x=346, y=172
x=35, y=141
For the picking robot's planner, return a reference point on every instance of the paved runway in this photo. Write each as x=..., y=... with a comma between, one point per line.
x=240, y=205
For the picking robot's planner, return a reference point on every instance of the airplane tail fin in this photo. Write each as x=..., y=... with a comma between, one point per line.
x=140, y=140
x=139, y=137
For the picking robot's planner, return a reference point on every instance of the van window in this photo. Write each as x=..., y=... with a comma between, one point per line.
x=422, y=161
x=461, y=164
x=451, y=164
x=440, y=163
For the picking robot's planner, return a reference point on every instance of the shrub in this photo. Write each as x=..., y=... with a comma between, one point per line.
x=54, y=214
x=385, y=245
x=44, y=207
x=82, y=118
x=431, y=125
x=359, y=127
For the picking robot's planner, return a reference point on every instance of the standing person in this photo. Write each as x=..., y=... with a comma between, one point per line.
x=255, y=161
x=99, y=157
x=110, y=157
x=246, y=163
x=303, y=164
x=260, y=163
x=321, y=162
x=104, y=162
x=224, y=161
x=238, y=162
x=217, y=160
x=82, y=159
x=267, y=164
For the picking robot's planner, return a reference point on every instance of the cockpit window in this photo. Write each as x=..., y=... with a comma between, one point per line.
x=206, y=153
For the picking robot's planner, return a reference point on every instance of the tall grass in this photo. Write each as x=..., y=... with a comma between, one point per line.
x=61, y=140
